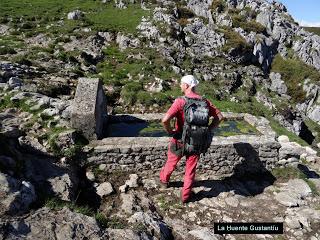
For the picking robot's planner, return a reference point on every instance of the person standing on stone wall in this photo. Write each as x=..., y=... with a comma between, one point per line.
x=177, y=145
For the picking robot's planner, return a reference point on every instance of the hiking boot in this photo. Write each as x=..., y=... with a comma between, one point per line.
x=163, y=185
x=190, y=199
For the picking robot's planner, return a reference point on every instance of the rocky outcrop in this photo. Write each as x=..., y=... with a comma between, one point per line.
x=15, y=196
x=277, y=84
x=62, y=224
x=307, y=48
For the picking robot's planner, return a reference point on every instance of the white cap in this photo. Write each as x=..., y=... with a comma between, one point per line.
x=190, y=80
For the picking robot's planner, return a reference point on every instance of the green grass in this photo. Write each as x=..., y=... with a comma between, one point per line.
x=5, y=103
x=287, y=173
x=166, y=203
x=57, y=204
x=294, y=72
x=247, y=25
x=103, y=17
x=113, y=222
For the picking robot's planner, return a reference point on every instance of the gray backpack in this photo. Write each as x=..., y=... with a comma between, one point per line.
x=196, y=135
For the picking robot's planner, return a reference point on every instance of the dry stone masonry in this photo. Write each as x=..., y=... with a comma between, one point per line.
x=241, y=153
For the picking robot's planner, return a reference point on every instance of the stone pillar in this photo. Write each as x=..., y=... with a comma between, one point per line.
x=89, y=109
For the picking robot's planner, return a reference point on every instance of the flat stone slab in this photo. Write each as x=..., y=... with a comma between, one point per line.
x=89, y=108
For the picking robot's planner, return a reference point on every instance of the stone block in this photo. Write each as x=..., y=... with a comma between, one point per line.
x=89, y=108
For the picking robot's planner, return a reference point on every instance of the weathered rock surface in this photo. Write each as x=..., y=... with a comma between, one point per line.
x=51, y=178
x=75, y=15
x=104, y=189
x=89, y=108
x=15, y=196
x=62, y=224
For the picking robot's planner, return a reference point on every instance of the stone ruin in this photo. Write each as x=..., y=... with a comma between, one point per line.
x=89, y=110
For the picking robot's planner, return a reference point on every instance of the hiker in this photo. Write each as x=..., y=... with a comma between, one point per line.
x=179, y=147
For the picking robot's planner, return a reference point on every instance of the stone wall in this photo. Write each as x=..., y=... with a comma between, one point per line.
x=89, y=108
x=241, y=153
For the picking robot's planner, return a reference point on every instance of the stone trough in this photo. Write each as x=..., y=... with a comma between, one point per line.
x=241, y=153
x=226, y=155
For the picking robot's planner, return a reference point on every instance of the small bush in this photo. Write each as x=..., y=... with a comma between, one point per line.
x=184, y=12
x=7, y=50
x=22, y=59
x=249, y=26
x=218, y=5
x=183, y=21
x=129, y=92
x=235, y=40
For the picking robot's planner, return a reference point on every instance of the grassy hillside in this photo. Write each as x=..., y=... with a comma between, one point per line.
x=35, y=15
x=315, y=30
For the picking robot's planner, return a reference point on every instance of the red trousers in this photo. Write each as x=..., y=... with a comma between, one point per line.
x=174, y=155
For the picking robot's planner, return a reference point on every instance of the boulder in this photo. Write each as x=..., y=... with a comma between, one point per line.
x=277, y=84
x=75, y=15
x=66, y=139
x=89, y=108
x=104, y=189
x=46, y=175
x=49, y=224
x=14, y=82
x=15, y=196
x=152, y=222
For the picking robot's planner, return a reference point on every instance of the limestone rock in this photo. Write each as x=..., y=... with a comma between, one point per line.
x=90, y=176
x=283, y=139
x=15, y=196
x=133, y=182
x=89, y=108
x=31, y=144
x=104, y=189
x=124, y=234
x=152, y=222
x=66, y=139
x=75, y=15
x=53, y=179
x=126, y=41
x=204, y=233
x=14, y=82
x=299, y=187
x=62, y=224
x=148, y=30
x=50, y=112
x=128, y=205
x=277, y=84
x=290, y=149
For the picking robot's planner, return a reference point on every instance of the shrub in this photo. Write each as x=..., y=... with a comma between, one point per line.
x=144, y=98
x=235, y=40
x=129, y=92
x=218, y=5
x=249, y=26
x=184, y=12
x=183, y=21
x=7, y=50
